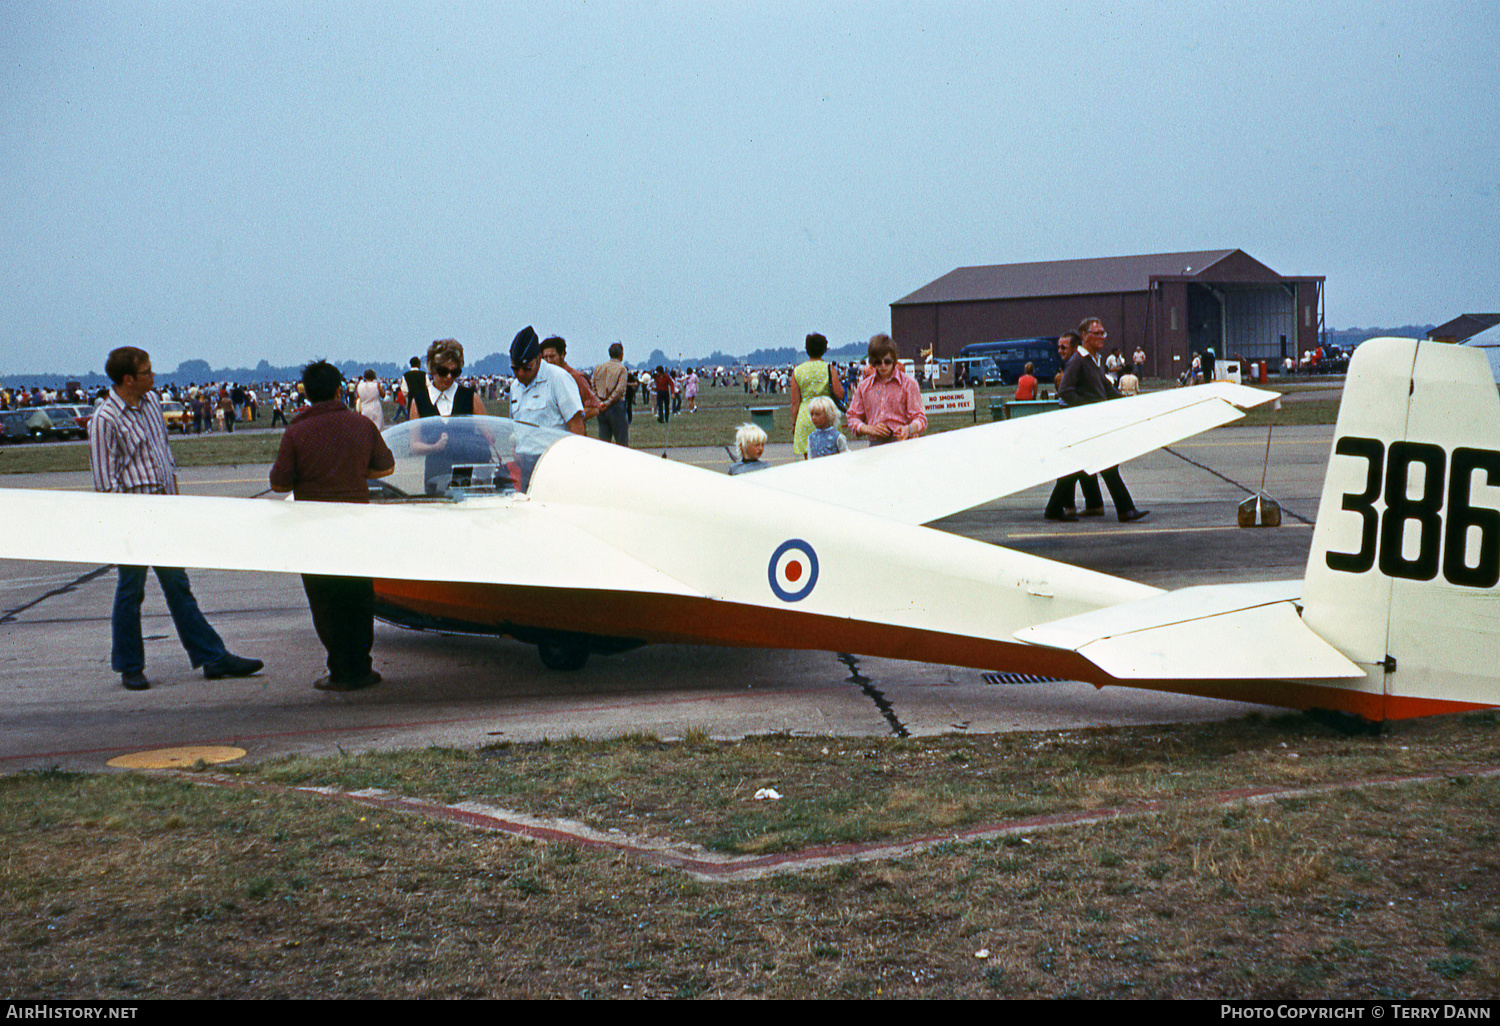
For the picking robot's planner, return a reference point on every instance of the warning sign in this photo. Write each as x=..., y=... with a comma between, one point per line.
x=961, y=401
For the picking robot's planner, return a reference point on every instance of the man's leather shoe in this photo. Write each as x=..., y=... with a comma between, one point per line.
x=1092, y=511
x=232, y=666
x=1132, y=515
x=1062, y=518
x=135, y=680
x=368, y=680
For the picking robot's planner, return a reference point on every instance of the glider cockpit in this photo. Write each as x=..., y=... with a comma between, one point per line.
x=456, y=458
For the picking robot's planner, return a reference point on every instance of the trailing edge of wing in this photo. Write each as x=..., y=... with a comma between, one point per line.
x=1220, y=632
x=422, y=542
x=919, y=481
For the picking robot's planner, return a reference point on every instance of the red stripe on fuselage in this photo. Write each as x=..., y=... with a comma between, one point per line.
x=689, y=620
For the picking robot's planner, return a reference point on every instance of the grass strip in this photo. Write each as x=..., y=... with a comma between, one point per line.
x=128, y=886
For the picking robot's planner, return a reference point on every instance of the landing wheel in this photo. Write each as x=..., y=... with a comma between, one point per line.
x=567, y=656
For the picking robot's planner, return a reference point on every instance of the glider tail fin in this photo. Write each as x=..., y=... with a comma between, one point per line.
x=1406, y=552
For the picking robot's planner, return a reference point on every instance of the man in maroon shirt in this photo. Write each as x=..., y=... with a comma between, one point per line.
x=327, y=454
x=555, y=352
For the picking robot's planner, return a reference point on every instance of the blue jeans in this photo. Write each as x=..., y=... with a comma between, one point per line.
x=128, y=654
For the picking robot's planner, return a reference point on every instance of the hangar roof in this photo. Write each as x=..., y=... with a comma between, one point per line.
x=1094, y=276
x=1488, y=340
x=1465, y=326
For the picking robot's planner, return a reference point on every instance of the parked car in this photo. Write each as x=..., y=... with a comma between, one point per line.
x=176, y=416
x=1329, y=359
x=38, y=423
x=1335, y=361
x=13, y=426
x=67, y=421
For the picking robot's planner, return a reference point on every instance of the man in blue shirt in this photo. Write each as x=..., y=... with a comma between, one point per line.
x=541, y=395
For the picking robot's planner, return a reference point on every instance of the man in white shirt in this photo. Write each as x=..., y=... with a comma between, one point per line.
x=540, y=395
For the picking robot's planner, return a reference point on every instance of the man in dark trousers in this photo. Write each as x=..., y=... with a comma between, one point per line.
x=1060, y=503
x=328, y=454
x=1083, y=382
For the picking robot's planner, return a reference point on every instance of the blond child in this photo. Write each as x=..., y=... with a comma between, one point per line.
x=825, y=439
x=751, y=443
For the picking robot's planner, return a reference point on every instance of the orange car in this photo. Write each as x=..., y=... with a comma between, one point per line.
x=176, y=416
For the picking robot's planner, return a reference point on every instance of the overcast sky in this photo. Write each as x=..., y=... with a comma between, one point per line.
x=248, y=180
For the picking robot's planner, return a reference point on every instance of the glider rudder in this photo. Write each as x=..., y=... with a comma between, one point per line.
x=1405, y=555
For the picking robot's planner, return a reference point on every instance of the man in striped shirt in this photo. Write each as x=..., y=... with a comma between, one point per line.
x=128, y=451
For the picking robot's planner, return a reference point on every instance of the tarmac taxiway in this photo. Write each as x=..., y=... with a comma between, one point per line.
x=62, y=706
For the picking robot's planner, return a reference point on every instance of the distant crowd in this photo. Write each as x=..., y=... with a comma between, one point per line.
x=247, y=401
x=22, y=396
x=218, y=406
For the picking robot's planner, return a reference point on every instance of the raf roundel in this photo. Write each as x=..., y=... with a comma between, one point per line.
x=793, y=570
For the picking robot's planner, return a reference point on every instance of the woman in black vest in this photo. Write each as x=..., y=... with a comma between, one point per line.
x=443, y=397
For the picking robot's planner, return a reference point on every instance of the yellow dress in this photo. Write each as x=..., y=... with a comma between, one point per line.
x=812, y=381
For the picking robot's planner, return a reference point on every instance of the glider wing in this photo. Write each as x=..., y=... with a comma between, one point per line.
x=504, y=541
x=922, y=480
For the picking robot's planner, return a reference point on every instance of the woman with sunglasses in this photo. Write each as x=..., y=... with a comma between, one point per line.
x=444, y=398
x=887, y=405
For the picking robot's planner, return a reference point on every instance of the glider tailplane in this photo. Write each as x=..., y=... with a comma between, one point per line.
x=1398, y=614
x=1405, y=555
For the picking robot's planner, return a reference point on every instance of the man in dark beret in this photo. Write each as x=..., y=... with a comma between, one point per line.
x=540, y=395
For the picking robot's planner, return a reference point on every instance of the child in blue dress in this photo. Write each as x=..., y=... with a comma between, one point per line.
x=825, y=439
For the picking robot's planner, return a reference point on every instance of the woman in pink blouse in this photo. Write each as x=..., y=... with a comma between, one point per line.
x=887, y=405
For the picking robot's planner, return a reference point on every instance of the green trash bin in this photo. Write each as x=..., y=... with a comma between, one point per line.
x=764, y=417
x=1027, y=407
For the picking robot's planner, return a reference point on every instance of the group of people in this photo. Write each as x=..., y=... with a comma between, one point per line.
x=544, y=389
x=884, y=405
x=212, y=406
x=1083, y=381
x=21, y=397
x=326, y=455
x=330, y=451
x=217, y=407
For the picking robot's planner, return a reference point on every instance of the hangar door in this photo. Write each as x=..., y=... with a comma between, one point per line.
x=1258, y=319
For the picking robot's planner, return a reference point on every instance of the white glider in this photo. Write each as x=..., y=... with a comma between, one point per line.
x=605, y=548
